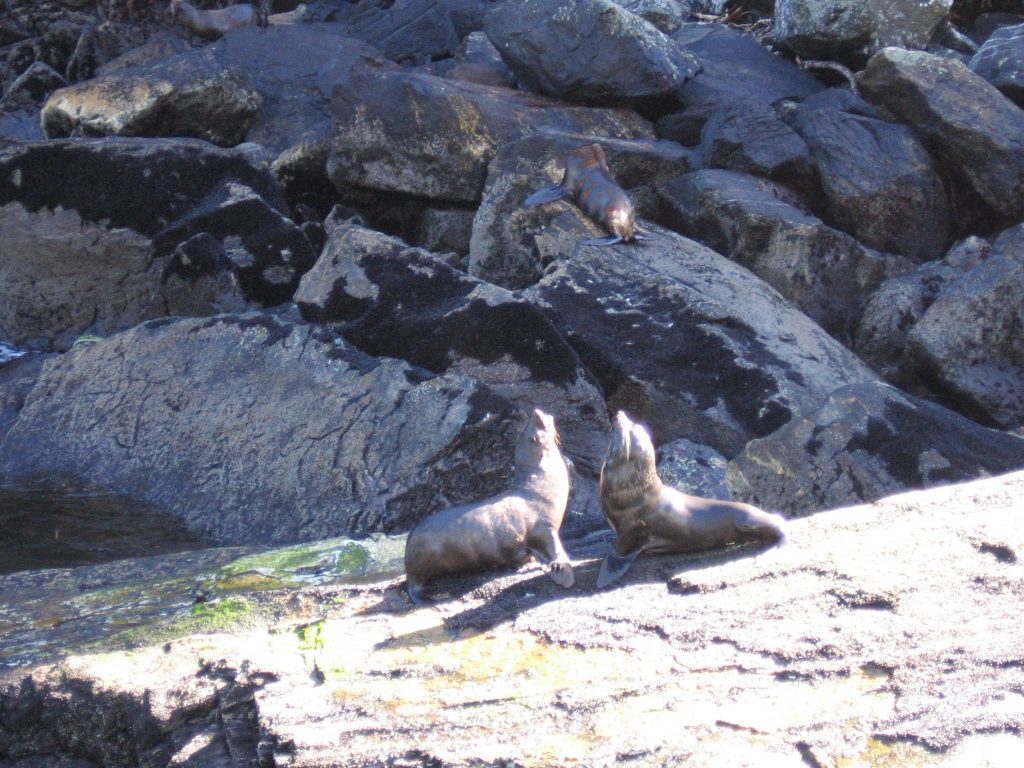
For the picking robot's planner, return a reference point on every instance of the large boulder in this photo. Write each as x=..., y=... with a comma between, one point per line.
x=504, y=247
x=1000, y=60
x=868, y=441
x=975, y=132
x=765, y=227
x=687, y=341
x=592, y=51
x=852, y=30
x=254, y=428
x=735, y=66
x=432, y=137
x=101, y=234
x=879, y=182
x=395, y=301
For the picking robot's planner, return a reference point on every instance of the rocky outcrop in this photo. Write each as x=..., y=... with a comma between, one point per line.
x=142, y=258
x=508, y=240
x=256, y=428
x=905, y=645
x=852, y=30
x=1000, y=60
x=432, y=137
x=592, y=51
x=395, y=301
x=824, y=272
x=868, y=441
x=975, y=132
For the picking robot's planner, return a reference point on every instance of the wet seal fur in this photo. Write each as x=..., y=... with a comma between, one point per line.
x=589, y=181
x=648, y=516
x=503, y=530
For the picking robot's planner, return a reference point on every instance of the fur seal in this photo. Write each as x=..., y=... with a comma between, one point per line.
x=648, y=516
x=215, y=23
x=503, y=530
x=589, y=181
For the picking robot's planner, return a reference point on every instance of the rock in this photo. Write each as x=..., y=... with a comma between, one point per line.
x=254, y=428
x=507, y=237
x=169, y=98
x=1000, y=60
x=975, y=132
x=686, y=341
x=591, y=51
x=824, y=272
x=391, y=300
x=91, y=256
x=18, y=375
x=160, y=45
x=478, y=61
x=968, y=343
x=666, y=15
x=684, y=127
x=694, y=469
x=432, y=137
x=868, y=441
x=414, y=30
x=19, y=108
x=867, y=666
x=748, y=137
x=738, y=67
x=852, y=30
x=445, y=229
x=879, y=182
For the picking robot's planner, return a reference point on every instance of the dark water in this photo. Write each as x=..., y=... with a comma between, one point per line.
x=57, y=525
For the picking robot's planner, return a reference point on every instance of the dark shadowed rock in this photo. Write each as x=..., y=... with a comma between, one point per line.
x=897, y=305
x=391, y=300
x=694, y=469
x=176, y=97
x=93, y=229
x=763, y=226
x=160, y=45
x=687, y=341
x=506, y=244
x=1000, y=60
x=869, y=440
x=969, y=343
x=256, y=428
x=975, y=132
x=17, y=378
x=432, y=137
x=590, y=51
x=852, y=30
x=738, y=67
x=748, y=137
x=478, y=61
x=879, y=182
x=19, y=108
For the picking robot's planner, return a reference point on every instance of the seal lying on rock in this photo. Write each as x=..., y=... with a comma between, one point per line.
x=504, y=530
x=215, y=23
x=648, y=516
x=589, y=181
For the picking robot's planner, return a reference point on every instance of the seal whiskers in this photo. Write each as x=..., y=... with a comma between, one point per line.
x=648, y=516
x=505, y=529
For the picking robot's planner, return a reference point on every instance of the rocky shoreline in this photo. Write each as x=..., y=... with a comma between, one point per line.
x=281, y=288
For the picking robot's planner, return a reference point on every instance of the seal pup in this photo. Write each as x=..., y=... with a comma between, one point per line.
x=648, y=516
x=589, y=181
x=215, y=23
x=503, y=530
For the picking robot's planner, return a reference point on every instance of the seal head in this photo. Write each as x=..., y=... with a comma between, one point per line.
x=648, y=516
x=504, y=530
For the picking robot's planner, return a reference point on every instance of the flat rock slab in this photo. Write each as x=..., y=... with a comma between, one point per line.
x=905, y=646
x=867, y=441
x=256, y=428
x=433, y=137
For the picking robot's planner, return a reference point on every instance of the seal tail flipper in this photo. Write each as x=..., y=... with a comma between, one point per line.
x=614, y=566
x=638, y=235
x=610, y=240
x=546, y=195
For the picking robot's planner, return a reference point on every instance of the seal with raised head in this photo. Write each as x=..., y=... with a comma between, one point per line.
x=503, y=530
x=648, y=516
x=588, y=180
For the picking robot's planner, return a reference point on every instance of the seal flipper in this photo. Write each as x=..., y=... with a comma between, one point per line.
x=546, y=195
x=416, y=593
x=614, y=566
x=610, y=240
x=638, y=235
